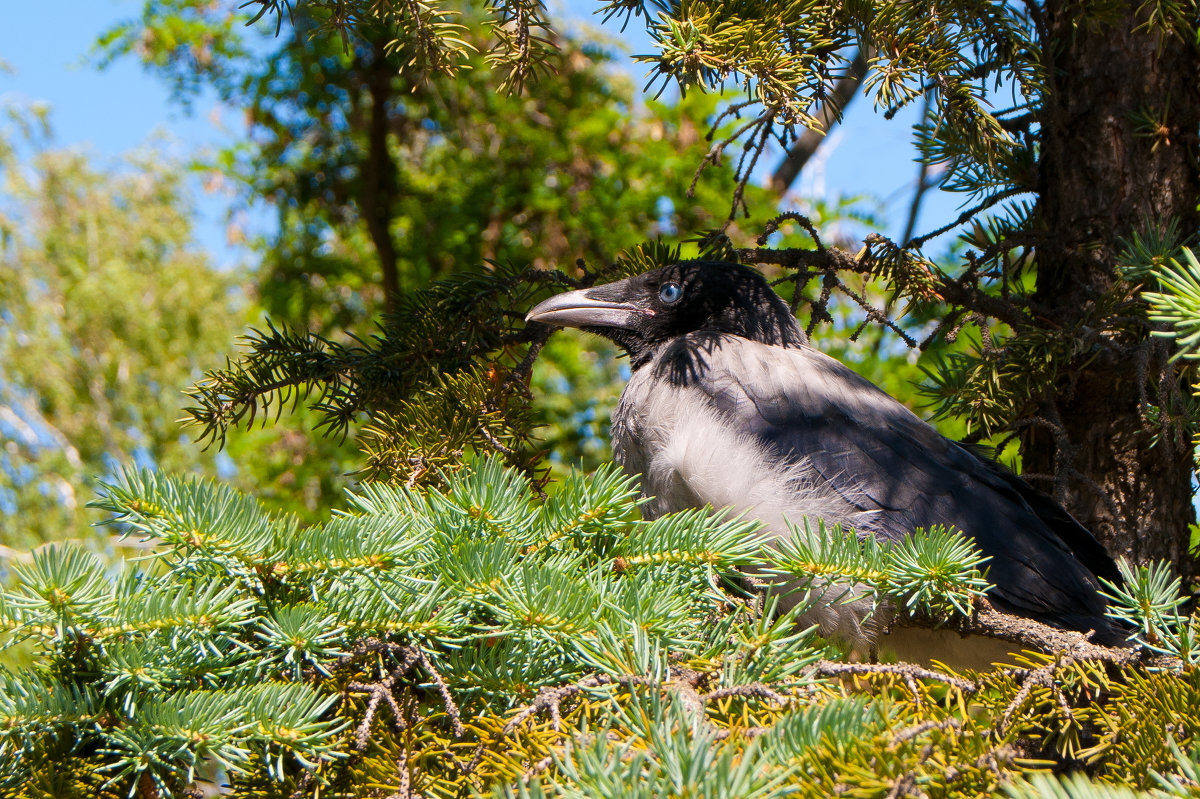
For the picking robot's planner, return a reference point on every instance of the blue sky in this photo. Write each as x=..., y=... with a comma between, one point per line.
x=108, y=112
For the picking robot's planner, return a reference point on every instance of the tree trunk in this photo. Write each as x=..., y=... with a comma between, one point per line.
x=379, y=174
x=1106, y=172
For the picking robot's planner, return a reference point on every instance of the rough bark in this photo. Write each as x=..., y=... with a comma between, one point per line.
x=1105, y=173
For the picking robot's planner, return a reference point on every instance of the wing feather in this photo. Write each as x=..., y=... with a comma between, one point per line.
x=897, y=471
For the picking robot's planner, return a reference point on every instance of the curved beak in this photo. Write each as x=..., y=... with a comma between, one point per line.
x=583, y=309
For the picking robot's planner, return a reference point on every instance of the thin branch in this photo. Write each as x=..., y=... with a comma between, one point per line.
x=1031, y=634
x=829, y=668
x=773, y=225
x=1044, y=677
x=965, y=216
x=744, y=171
x=551, y=699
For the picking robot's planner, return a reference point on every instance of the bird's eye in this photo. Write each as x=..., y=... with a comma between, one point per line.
x=670, y=292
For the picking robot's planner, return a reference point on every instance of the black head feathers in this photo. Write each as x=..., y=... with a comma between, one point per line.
x=643, y=312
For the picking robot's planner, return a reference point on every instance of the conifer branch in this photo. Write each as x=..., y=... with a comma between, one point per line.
x=1030, y=634
x=279, y=671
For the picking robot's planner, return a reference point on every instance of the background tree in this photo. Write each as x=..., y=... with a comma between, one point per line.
x=108, y=314
x=385, y=177
x=1071, y=133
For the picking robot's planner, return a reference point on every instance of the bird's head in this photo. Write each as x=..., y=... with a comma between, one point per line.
x=642, y=312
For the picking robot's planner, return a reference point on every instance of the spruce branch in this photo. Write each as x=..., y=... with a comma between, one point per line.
x=1029, y=634
x=501, y=635
x=1178, y=303
x=1149, y=599
x=524, y=41
x=444, y=375
x=935, y=572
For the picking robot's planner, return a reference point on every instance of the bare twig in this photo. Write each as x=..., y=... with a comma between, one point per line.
x=1045, y=677
x=405, y=789
x=908, y=733
x=951, y=290
x=551, y=699
x=381, y=693
x=903, y=786
x=753, y=689
x=965, y=216
x=800, y=219
x=829, y=668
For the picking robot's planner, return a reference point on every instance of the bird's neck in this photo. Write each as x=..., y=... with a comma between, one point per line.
x=682, y=360
x=642, y=352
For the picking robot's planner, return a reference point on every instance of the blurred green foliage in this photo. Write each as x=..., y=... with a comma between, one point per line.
x=110, y=311
x=108, y=314
x=462, y=174
x=383, y=178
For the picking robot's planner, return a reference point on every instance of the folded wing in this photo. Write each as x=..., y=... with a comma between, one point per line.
x=897, y=471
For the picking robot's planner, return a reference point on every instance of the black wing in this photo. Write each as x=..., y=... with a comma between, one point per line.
x=901, y=473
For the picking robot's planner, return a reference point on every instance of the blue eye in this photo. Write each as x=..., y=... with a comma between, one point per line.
x=670, y=292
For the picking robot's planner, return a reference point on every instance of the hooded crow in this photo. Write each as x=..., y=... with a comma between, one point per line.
x=728, y=405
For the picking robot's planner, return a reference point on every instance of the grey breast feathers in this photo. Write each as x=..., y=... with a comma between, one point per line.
x=791, y=433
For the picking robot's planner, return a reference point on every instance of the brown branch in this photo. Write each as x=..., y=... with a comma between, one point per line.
x=551, y=699
x=713, y=156
x=902, y=787
x=684, y=687
x=521, y=372
x=494, y=442
x=381, y=693
x=1030, y=634
x=1044, y=677
x=772, y=226
x=447, y=701
x=906, y=671
x=962, y=291
x=537, y=768
x=745, y=691
x=752, y=151
x=827, y=263
x=908, y=733
x=405, y=791
x=795, y=258
x=965, y=216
